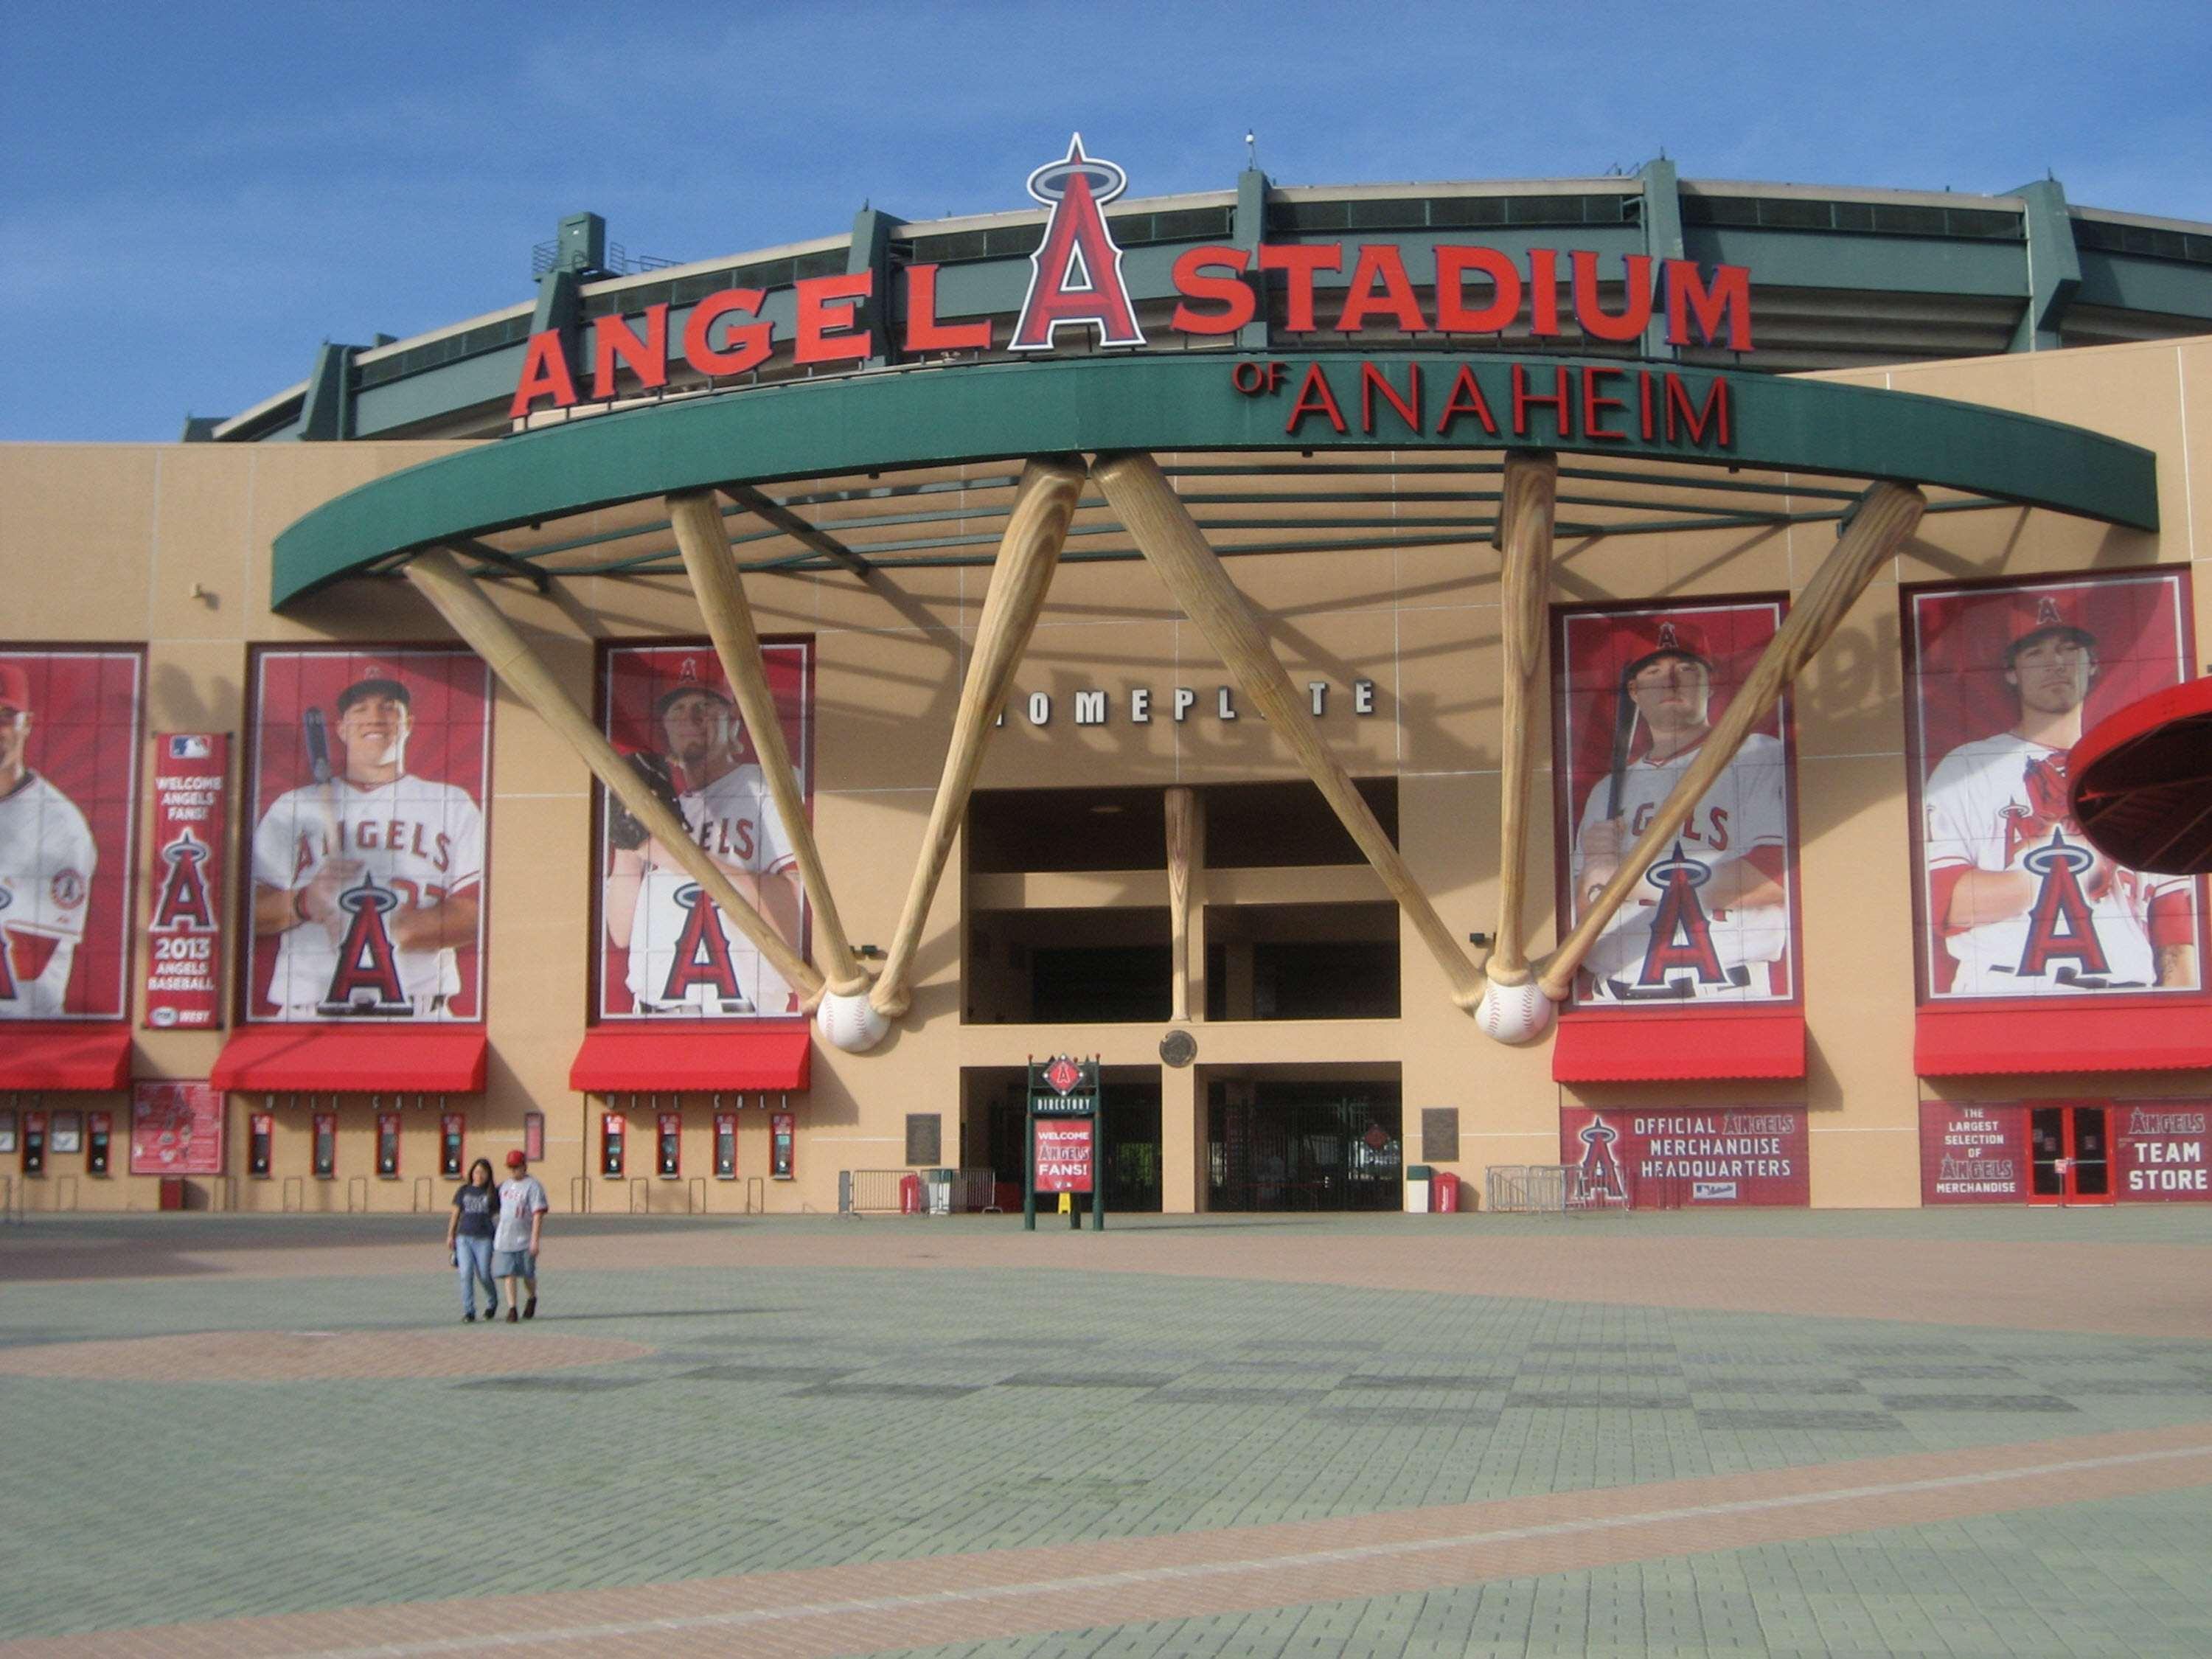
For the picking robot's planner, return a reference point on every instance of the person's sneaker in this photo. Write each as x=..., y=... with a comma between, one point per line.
x=510, y=1315
x=469, y=1318
x=530, y=1308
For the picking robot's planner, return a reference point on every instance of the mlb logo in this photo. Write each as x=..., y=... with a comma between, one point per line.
x=190, y=746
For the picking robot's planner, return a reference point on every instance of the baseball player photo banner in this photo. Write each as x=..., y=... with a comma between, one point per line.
x=2013, y=901
x=184, y=969
x=1636, y=692
x=664, y=951
x=68, y=810
x=368, y=884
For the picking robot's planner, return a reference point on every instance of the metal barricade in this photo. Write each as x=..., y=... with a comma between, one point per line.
x=755, y=1195
x=425, y=1197
x=294, y=1197
x=579, y=1194
x=695, y=1195
x=641, y=1195
x=976, y=1192
x=357, y=1184
x=11, y=1198
x=879, y=1192
x=1526, y=1189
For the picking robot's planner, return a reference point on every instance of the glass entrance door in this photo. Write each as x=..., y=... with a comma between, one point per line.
x=2070, y=1155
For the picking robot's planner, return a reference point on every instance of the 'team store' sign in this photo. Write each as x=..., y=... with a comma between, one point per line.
x=1076, y=282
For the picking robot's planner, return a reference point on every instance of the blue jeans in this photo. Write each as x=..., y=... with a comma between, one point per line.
x=474, y=1263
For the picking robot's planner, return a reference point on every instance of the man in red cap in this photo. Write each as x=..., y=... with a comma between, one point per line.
x=46, y=862
x=1711, y=918
x=522, y=1206
x=2022, y=903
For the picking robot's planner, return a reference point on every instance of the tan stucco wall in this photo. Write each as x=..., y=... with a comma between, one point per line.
x=107, y=543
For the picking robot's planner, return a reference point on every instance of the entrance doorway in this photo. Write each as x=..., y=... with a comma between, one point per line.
x=997, y=1100
x=2070, y=1156
x=1304, y=1144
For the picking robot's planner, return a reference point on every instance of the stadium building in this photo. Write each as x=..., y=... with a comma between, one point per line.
x=1540, y=692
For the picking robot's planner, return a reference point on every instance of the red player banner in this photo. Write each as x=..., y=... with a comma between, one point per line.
x=1973, y=1153
x=664, y=951
x=176, y=1128
x=2011, y=900
x=69, y=812
x=1713, y=923
x=184, y=972
x=1672, y=1157
x=369, y=774
x=1063, y=1154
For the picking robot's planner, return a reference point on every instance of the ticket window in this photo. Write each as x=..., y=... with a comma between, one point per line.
x=8, y=1146
x=669, y=1160
x=725, y=1145
x=261, y=1135
x=387, y=1146
x=67, y=1134
x=326, y=1146
x=611, y=1135
x=34, y=1143
x=453, y=1143
x=99, y=1137
x=783, y=1129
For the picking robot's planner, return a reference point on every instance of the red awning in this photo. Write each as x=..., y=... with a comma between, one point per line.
x=364, y=1059
x=2078, y=1037
x=90, y=1057
x=613, y=1061
x=1677, y=1047
x=2140, y=781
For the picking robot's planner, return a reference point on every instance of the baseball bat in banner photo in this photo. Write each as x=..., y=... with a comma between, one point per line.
x=315, y=731
x=1624, y=734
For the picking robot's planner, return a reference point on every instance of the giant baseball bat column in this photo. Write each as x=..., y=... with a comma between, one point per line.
x=1884, y=517
x=438, y=576
x=1185, y=833
x=1175, y=546
x=721, y=594
x=1512, y=1009
x=1029, y=549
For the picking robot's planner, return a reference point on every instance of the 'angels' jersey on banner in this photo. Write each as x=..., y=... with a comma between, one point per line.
x=2000, y=804
x=683, y=954
x=47, y=858
x=418, y=842
x=1667, y=942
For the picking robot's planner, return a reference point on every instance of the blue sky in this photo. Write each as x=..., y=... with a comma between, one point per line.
x=194, y=197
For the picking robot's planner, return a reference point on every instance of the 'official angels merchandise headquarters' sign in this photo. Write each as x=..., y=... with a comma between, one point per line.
x=1076, y=284
x=1675, y=1158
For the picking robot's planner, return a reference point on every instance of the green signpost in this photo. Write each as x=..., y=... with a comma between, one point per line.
x=1063, y=1138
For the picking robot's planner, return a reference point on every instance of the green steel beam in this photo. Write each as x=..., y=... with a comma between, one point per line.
x=326, y=410
x=2054, y=266
x=965, y=413
x=806, y=534
x=1248, y=229
x=1662, y=240
x=870, y=252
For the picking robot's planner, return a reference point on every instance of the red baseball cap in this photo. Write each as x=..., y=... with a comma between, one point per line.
x=14, y=687
x=515, y=1159
x=1665, y=637
x=2035, y=615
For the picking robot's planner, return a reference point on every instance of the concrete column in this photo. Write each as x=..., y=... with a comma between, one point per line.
x=1183, y=1141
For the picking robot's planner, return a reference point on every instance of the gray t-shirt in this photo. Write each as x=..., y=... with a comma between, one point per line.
x=519, y=1201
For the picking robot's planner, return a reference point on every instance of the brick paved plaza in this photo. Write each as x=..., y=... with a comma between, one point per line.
x=1752, y=1433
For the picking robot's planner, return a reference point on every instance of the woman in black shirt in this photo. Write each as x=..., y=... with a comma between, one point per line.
x=468, y=1238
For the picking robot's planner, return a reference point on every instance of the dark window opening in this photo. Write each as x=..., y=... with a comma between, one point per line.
x=1301, y=961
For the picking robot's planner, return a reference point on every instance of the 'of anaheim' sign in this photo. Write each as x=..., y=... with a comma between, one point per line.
x=1076, y=284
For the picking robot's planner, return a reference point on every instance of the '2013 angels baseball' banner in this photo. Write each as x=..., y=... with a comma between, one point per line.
x=664, y=951
x=367, y=866
x=176, y=1128
x=1636, y=691
x=184, y=972
x=1694, y=1156
x=68, y=810
x=2013, y=901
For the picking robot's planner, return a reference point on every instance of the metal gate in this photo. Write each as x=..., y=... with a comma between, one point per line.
x=1296, y=1151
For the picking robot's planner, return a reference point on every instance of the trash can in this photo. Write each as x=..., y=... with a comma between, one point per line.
x=1444, y=1193
x=172, y=1192
x=1417, y=1176
x=909, y=1194
x=939, y=1185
